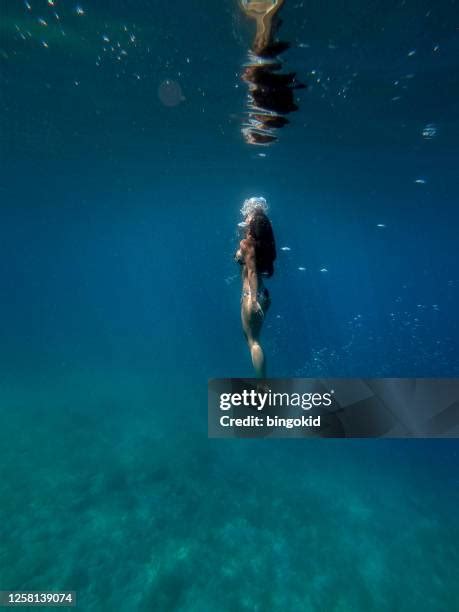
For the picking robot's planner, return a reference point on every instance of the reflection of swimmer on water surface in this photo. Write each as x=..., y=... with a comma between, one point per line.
x=256, y=255
x=271, y=93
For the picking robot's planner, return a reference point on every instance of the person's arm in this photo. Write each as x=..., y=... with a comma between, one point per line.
x=252, y=277
x=238, y=256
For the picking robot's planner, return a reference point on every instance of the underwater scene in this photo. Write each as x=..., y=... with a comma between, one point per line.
x=131, y=134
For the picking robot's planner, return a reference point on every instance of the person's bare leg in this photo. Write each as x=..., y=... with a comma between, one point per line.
x=263, y=11
x=258, y=358
x=252, y=324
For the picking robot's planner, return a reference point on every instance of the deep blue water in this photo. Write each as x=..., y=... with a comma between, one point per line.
x=120, y=298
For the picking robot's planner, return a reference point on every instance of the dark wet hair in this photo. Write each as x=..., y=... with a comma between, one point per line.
x=261, y=230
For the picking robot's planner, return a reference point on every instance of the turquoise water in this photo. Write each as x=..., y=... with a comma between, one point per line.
x=98, y=496
x=119, y=300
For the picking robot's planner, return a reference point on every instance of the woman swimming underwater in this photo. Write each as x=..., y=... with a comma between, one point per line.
x=256, y=254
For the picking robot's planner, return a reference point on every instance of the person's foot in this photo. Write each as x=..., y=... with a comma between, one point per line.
x=263, y=387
